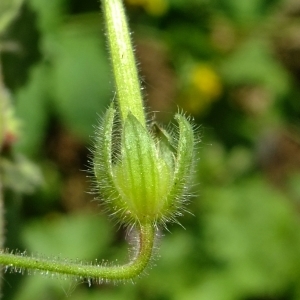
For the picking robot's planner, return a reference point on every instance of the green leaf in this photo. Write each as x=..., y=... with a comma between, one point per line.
x=252, y=231
x=8, y=11
x=247, y=12
x=50, y=15
x=81, y=74
x=31, y=109
x=253, y=64
x=75, y=236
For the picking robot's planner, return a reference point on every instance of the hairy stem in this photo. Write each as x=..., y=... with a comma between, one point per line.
x=123, y=61
x=130, y=100
x=91, y=272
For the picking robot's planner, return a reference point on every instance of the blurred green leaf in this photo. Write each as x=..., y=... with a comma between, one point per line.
x=212, y=286
x=31, y=108
x=81, y=79
x=50, y=15
x=174, y=253
x=115, y=293
x=247, y=12
x=8, y=11
x=45, y=288
x=253, y=64
x=80, y=236
x=50, y=19
x=253, y=232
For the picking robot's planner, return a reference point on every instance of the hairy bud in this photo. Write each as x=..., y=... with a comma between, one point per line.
x=143, y=174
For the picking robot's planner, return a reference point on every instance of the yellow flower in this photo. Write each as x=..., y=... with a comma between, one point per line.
x=202, y=88
x=206, y=81
x=152, y=7
x=156, y=7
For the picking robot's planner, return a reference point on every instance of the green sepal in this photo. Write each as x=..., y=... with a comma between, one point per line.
x=103, y=157
x=164, y=143
x=143, y=177
x=182, y=169
x=147, y=180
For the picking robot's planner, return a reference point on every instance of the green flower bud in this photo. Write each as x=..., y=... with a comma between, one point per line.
x=143, y=175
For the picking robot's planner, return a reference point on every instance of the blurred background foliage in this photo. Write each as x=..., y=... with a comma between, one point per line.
x=234, y=66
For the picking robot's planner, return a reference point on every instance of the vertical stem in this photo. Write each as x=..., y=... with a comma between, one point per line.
x=123, y=61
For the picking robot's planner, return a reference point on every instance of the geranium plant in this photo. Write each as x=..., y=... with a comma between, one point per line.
x=142, y=171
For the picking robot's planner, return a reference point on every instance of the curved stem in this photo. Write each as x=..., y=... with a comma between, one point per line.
x=91, y=272
x=123, y=61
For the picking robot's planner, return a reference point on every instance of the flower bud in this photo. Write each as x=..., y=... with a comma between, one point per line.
x=142, y=177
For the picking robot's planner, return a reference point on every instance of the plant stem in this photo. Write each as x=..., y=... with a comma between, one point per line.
x=123, y=61
x=130, y=100
x=91, y=272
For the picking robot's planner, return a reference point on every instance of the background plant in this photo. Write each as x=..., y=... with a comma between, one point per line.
x=243, y=242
